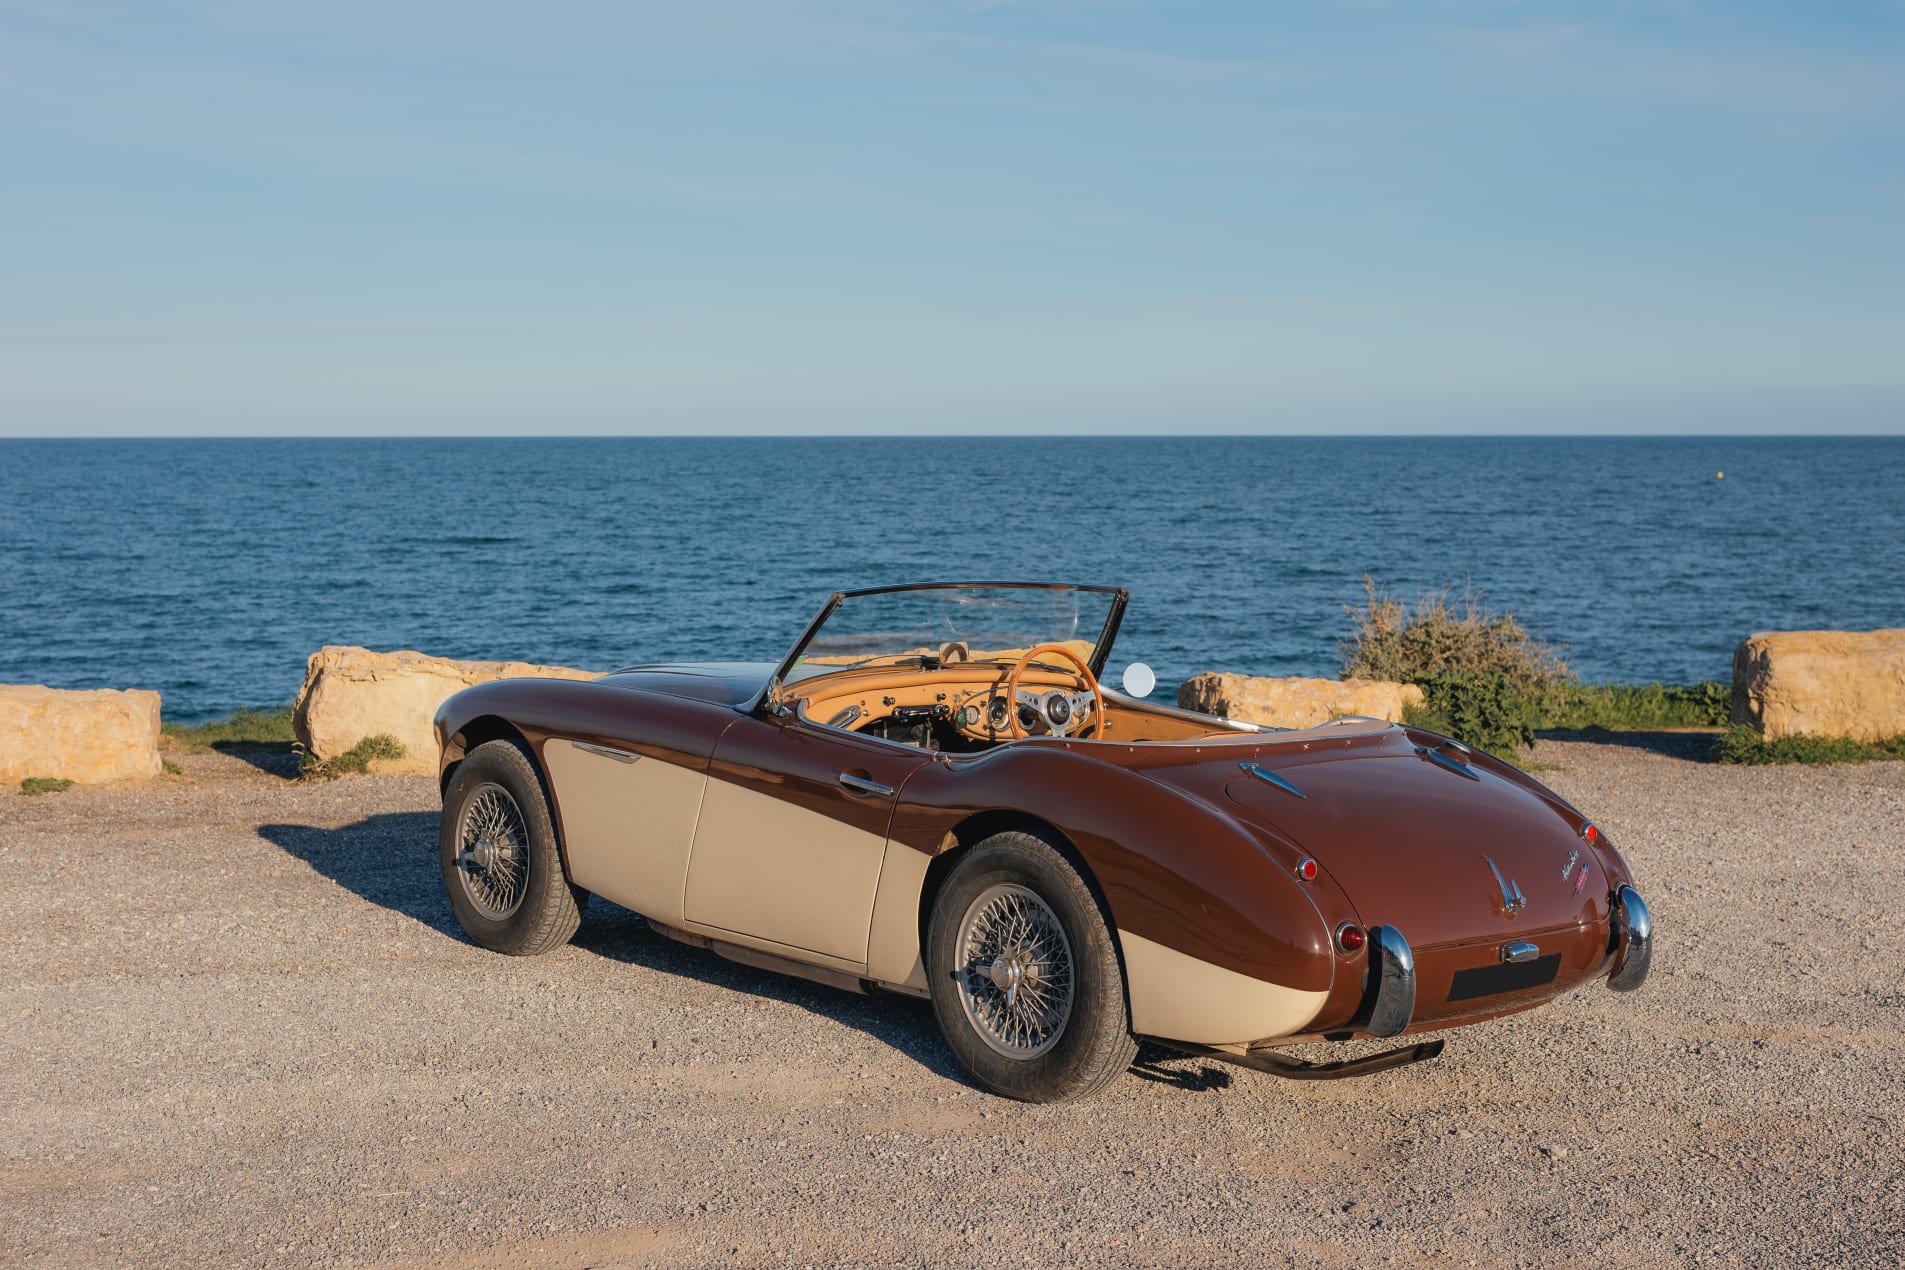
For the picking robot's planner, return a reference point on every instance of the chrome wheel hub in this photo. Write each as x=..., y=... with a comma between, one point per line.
x=493, y=852
x=1016, y=984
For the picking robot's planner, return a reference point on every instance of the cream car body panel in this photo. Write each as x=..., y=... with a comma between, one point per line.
x=782, y=874
x=628, y=824
x=1177, y=996
x=893, y=952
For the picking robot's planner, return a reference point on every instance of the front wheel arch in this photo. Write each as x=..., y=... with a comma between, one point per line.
x=483, y=729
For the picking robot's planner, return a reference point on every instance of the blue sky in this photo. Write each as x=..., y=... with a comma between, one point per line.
x=739, y=216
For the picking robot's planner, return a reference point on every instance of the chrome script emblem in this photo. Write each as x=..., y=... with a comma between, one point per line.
x=1569, y=866
x=1513, y=901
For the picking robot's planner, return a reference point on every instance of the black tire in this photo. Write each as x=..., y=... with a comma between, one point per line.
x=546, y=910
x=1093, y=1045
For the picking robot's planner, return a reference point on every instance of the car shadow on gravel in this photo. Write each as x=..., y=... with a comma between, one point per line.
x=904, y=1023
x=270, y=758
x=389, y=859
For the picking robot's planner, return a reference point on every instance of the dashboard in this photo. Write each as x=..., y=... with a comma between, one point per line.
x=944, y=714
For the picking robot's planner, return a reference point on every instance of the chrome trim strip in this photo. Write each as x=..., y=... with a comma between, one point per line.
x=1634, y=940
x=606, y=751
x=1395, y=968
x=861, y=785
x=1513, y=954
x=1437, y=757
x=1263, y=774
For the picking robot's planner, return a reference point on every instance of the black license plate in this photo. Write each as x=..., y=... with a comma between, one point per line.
x=1486, y=981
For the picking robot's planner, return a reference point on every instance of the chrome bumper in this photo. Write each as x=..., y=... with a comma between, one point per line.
x=1395, y=968
x=1633, y=940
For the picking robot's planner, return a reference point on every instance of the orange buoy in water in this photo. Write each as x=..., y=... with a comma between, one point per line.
x=1719, y=476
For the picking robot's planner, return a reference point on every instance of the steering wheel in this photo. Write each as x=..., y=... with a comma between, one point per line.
x=1018, y=668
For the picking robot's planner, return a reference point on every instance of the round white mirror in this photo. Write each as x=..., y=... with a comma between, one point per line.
x=1138, y=680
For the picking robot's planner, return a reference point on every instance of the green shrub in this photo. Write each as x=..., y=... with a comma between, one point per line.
x=1484, y=711
x=170, y=768
x=34, y=786
x=357, y=759
x=243, y=727
x=1444, y=633
x=1486, y=681
x=1636, y=706
x=1744, y=744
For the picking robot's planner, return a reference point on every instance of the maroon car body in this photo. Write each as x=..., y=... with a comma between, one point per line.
x=1263, y=887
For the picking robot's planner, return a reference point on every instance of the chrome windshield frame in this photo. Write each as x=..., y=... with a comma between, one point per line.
x=770, y=696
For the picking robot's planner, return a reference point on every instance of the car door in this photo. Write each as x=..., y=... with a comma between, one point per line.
x=792, y=831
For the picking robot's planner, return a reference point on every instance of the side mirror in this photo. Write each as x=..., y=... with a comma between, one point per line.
x=1138, y=680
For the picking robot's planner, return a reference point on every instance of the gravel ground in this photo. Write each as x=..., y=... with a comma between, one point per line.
x=242, y=1028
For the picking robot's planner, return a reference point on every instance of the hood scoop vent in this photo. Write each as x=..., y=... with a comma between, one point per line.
x=1269, y=777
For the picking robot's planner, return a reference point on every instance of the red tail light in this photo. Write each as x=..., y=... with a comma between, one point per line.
x=1350, y=937
x=1589, y=832
x=1306, y=869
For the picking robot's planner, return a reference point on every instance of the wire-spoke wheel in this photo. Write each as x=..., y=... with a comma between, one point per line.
x=502, y=865
x=1024, y=973
x=492, y=852
x=1017, y=983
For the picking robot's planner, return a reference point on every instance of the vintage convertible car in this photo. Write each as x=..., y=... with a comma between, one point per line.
x=933, y=794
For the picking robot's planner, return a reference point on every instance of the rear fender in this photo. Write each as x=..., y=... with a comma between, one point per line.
x=1217, y=937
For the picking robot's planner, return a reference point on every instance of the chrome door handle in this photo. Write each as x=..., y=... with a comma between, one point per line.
x=861, y=785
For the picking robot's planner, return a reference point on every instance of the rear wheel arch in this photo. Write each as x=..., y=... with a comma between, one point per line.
x=976, y=828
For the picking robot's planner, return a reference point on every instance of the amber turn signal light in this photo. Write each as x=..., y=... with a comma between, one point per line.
x=1350, y=937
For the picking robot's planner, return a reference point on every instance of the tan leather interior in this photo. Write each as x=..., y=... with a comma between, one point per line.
x=853, y=699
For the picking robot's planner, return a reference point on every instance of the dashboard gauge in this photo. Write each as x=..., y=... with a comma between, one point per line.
x=969, y=716
x=995, y=714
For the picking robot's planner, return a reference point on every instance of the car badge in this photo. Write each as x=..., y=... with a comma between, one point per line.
x=1580, y=881
x=1569, y=866
x=1513, y=901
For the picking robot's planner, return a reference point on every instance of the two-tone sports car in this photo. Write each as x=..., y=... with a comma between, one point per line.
x=933, y=794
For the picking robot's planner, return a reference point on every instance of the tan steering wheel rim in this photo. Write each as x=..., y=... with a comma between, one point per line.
x=1018, y=668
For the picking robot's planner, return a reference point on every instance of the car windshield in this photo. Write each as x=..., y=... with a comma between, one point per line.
x=930, y=626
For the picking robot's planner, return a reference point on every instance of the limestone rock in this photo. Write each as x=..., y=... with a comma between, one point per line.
x=351, y=693
x=1821, y=683
x=89, y=737
x=1294, y=703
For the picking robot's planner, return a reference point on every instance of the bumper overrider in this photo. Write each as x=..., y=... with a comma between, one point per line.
x=1633, y=940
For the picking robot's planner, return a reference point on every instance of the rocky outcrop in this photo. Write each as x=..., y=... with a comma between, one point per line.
x=1821, y=683
x=352, y=693
x=90, y=737
x=1294, y=703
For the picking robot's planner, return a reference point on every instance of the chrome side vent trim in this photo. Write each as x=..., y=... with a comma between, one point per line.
x=620, y=756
